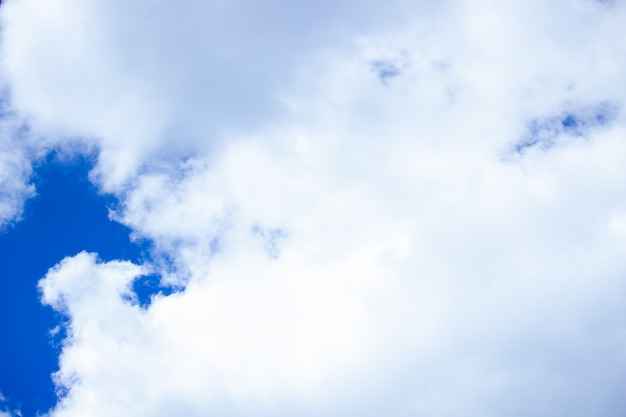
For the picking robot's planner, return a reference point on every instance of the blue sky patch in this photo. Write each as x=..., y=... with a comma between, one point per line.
x=545, y=133
x=385, y=70
x=66, y=217
x=145, y=287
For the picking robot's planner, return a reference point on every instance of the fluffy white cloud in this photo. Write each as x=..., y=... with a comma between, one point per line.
x=413, y=209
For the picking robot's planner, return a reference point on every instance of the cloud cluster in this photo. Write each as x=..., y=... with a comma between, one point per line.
x=350, y=196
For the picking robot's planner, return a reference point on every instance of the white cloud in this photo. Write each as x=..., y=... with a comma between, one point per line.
x=16, y=153
x=15, y=169
x=423, y=265
x=5, y=411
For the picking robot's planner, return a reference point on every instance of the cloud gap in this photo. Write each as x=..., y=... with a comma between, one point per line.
x=146, y=287
x=548, y=132
x=385, y=70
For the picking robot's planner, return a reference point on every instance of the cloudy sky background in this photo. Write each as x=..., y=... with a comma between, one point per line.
x=410, y=208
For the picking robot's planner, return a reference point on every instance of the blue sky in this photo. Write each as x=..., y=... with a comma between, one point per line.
x=315, y=208
x=67, y=216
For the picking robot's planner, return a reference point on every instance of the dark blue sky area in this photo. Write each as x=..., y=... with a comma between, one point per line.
x=66, y=217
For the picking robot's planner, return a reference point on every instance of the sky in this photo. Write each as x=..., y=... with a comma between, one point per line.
x=245, y=208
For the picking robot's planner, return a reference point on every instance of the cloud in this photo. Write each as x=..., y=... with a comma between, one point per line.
x=5, y=411
x=153, y=76
x=15, y=168
x=346, y=245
